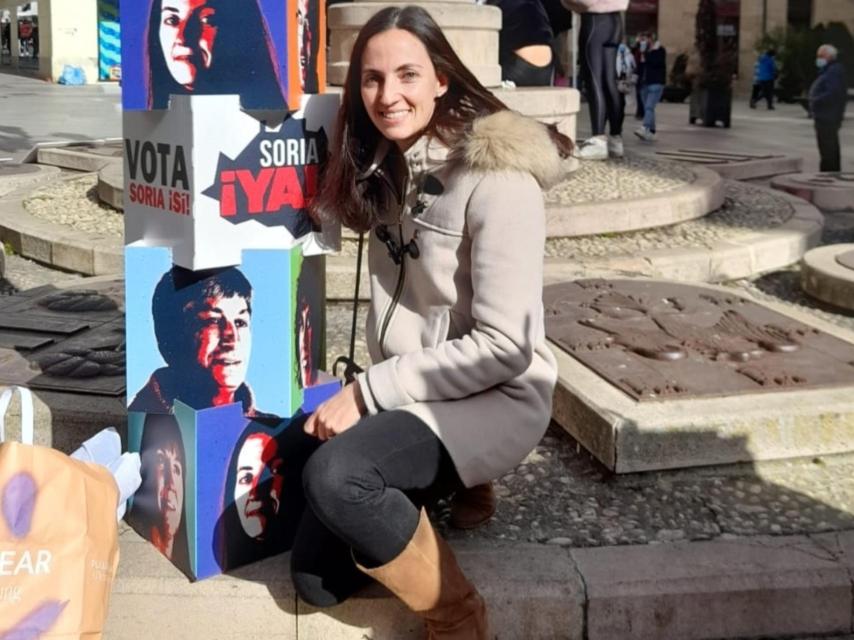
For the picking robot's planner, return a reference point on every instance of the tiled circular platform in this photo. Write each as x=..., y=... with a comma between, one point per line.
x=756, y=230
x=827, y=273
x=15, y=176
x=111, y=185
x=827, y=191
x=630, y=194
x=737, y=165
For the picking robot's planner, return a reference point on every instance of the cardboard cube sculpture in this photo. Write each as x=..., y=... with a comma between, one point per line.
x=251, y=333
x=269, y=52
x=208, y=180
x=219, y=490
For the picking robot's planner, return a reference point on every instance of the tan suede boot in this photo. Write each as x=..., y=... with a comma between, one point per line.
x=427, y=578
x=473, y=507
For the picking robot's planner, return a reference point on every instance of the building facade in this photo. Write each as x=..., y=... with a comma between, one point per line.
x=740, y=23
x=44, y=36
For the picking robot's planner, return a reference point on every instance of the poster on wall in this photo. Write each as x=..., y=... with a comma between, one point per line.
x=208, y=196
x=109, y=41
x=269, y=52
x=213, y=337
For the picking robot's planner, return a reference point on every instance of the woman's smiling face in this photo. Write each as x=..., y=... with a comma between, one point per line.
x=399, y=85
x=187, y=34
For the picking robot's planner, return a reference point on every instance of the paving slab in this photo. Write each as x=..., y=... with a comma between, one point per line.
x=736, y=164
x=531, y=591
x=80, y=156
x=826, y=274
x=152, y=599
x=630, y=436
x=827, y=191
x=742, y=588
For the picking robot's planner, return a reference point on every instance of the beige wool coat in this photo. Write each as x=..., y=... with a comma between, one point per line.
x=456, y=334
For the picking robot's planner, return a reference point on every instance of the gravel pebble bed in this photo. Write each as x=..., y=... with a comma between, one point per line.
x=74, y=202
x=746, y=209
x=627, y=179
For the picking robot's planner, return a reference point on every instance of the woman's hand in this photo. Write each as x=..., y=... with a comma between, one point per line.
x=337, y=414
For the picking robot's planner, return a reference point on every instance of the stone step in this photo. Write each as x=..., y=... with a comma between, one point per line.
x=532, y=591
x=111, y=185
x=827, y=191
x=759, y=230
x=737, y=588
x=736, y=164
x=827, y=273
x=79, y=156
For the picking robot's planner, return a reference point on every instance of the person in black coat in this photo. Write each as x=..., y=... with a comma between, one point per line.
x=827, y=99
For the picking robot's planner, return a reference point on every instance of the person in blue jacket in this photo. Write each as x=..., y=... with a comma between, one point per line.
x=827, y=99
x=765, y=75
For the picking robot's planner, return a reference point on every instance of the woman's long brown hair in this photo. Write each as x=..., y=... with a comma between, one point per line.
x=359, y=203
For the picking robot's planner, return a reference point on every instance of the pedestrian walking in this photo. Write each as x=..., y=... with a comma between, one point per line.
x=827, y=99
x=599, y=37
x=764, y=76
x=449, y=183
x=652, y=80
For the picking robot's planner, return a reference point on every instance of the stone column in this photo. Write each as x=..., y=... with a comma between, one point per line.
x=471, y=29
x=676, y=27
x=13, y=33
x=72, y=34
x=826, y=11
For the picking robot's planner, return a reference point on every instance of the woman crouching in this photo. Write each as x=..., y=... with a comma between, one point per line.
x=448, y=181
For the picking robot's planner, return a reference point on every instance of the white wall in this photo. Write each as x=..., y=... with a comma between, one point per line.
x=73, y=29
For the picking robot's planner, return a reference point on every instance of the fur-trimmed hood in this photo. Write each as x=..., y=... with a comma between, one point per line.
x=507, y=140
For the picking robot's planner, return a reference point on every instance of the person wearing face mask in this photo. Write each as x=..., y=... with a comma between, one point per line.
x=828, y=96
x=598, y=39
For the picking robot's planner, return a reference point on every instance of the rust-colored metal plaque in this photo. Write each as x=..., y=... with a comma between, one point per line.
x=846, y=260
x=660, y=341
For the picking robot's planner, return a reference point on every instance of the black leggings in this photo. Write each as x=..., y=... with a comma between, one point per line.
x=598, y=39
x=525, y=74
x=364, y=490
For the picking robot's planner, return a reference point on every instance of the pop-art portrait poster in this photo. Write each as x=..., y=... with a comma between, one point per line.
x=161, y=506
x=213, y=337
x=267, y=51
x=240, y=495
x=309, y=319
